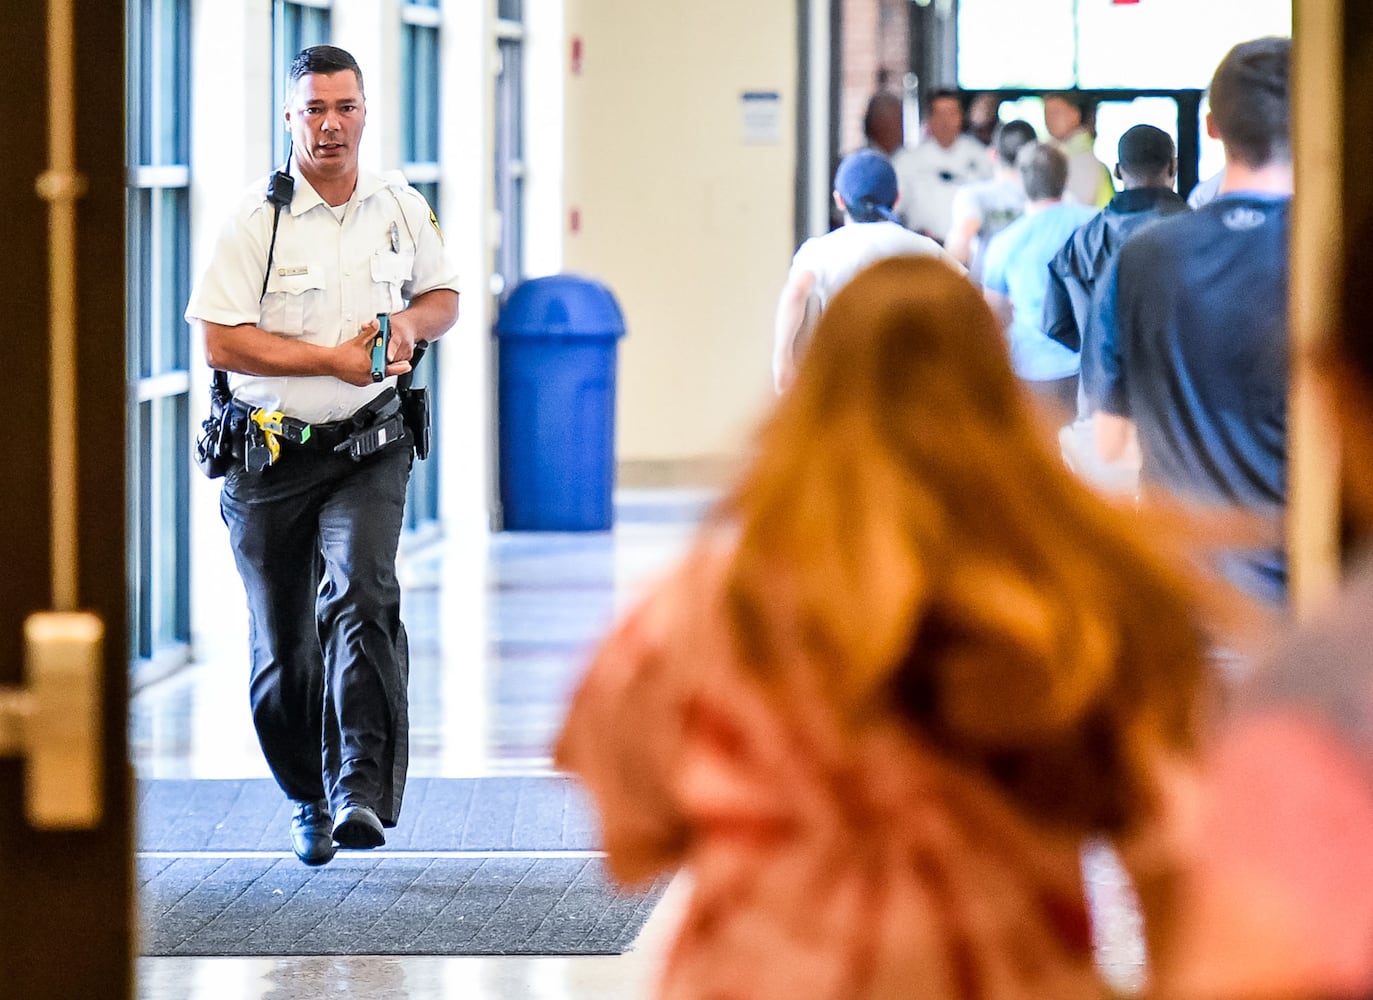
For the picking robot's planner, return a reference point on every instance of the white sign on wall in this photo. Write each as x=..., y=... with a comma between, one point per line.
x=762, y=117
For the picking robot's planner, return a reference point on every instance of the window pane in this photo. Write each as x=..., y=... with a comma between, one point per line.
x=163, y=91
x=141, y=533
x=1026, y=109
x=158, y=234
x=1168, y=44
x=422, y=495
x=509, y=172
x=999, y=46
x=161, y=555
x=172, y=280
x=1115, y=118
x=420, y=138
x=420, y=145
x=510, y=10
x=294, y=27
x=170, y=555
x=161, y=283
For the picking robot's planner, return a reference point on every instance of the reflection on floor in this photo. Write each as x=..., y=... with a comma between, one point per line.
x=499, y=628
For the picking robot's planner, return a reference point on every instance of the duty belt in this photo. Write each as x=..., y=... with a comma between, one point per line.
x=366, y=432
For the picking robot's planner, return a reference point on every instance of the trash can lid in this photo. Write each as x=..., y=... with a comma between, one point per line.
x=560, y=305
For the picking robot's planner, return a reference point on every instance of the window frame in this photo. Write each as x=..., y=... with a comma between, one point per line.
x=296, y=24
x=420, y=150
x=158, y=206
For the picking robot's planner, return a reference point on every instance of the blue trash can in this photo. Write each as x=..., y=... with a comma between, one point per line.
x=557, y=339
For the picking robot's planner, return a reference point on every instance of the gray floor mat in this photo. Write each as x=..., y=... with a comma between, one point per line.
x=373, y=905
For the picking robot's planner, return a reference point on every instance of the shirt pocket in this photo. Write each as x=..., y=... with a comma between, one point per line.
x=293, y=294
x=390, y=273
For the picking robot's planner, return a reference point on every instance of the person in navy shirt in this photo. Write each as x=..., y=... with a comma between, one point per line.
x=1194, y=343
x=1147, y=167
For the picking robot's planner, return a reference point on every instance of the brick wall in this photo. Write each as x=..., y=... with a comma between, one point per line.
x=875, y=54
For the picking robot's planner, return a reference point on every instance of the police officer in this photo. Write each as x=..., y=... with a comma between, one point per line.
x=288, y=305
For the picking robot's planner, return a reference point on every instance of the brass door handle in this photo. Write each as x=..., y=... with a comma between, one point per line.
x=54, y=721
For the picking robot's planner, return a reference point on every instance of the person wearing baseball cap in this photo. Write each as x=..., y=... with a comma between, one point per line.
x=865, y=190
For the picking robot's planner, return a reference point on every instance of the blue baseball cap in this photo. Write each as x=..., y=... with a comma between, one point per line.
x=867, y=183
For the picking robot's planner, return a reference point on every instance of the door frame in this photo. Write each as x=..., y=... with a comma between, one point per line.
x=67, y=916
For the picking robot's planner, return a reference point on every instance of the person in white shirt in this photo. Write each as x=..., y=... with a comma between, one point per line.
x=983, y=209
x=865, y=191
x=289, y=305
x=930, y=172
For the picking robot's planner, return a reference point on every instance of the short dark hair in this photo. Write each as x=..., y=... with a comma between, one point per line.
x=940, y=93
x=1145, y=152
x=1249, y=101
x=1043, y=170
x=1012, y=138
x=882, y=102
x=1085, y=105
x=325, y=59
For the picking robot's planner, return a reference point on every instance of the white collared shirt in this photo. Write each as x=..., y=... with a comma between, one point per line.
x=929, y=174
x=328, y=278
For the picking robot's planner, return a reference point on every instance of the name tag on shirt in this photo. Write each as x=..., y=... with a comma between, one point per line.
x=293, y=272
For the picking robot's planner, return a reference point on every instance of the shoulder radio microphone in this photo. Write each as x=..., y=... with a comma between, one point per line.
x=281, y=186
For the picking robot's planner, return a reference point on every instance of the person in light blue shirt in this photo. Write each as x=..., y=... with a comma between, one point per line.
x=1015, y=274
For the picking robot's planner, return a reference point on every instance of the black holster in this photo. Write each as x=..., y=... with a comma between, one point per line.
x=219, y=445
x=414, y=410
x=414, y=404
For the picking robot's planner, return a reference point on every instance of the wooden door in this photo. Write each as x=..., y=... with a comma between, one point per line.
x=65, y=896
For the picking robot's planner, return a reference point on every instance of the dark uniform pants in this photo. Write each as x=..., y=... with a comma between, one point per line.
x=315, y=538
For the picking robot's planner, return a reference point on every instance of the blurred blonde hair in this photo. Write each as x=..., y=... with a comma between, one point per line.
x=905, y=531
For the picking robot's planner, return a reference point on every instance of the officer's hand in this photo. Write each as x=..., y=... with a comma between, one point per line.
x=402, y=345
x=355, y=357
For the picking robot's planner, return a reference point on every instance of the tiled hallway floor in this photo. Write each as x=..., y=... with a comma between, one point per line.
x=499, y=626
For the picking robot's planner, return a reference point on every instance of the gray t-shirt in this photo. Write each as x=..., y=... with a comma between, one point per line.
x=996, y=204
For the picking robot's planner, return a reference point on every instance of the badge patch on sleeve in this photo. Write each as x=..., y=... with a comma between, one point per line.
x=434, y=221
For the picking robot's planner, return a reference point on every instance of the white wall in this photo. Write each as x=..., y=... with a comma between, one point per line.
x=231, y=143
x=545, y=94
x=691, y=227
x=466, y=140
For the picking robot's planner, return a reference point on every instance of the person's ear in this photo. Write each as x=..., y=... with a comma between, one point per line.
x=839, y=202
x=1118, y=174
x=1211, y=129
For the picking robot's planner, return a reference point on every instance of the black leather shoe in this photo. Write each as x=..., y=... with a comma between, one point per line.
x=358, y=828
x=311, y=836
